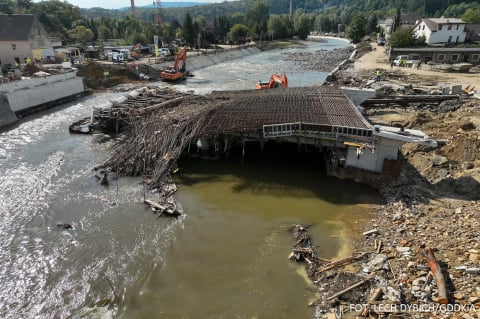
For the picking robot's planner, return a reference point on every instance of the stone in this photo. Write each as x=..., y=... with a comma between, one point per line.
x=458, y=296
x=439, y=160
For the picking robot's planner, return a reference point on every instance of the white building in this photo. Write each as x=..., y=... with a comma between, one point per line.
x=441, y=30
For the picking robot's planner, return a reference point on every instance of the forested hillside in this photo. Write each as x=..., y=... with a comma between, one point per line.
x=232, y=21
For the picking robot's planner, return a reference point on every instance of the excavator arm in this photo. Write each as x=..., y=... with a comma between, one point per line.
x=182, y=56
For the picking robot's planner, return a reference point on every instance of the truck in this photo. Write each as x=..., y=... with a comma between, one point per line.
x=406, y=60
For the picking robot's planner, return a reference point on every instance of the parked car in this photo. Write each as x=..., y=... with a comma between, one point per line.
x=381, y=41
x=164, y=51
x=406, y=60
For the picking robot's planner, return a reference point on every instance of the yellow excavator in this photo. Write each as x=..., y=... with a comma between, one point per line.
x=276, y=81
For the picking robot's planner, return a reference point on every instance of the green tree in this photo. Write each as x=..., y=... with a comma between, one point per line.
x=357, y=28
x=471, y=16
x=257, y=17
x=7, y=6
x=81, y=34
x=188, y=30
x=24, y=4
x=405, y=37
x=301, y=23
x=372, y=24
x=279, y=25
x=238, y=32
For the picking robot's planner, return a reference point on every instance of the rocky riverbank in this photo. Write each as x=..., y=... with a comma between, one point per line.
x=433, y=206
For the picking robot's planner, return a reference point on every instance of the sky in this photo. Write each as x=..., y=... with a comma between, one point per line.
x=115, y=4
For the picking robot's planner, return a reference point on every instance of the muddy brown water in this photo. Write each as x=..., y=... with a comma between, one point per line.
x=226, y=258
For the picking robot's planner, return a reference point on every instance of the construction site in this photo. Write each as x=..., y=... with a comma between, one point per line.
x=375, y=136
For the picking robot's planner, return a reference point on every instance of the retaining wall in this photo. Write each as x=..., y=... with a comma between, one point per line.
x=195, y=62
x=7, y=116
x=25, y=94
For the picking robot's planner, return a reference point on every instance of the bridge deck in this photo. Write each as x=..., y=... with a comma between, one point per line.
x=251, y=110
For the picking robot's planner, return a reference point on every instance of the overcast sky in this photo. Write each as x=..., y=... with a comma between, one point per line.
x=115, y=4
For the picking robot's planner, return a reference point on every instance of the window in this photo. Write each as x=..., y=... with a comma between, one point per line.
x=449, y=27
x=441, y=57
x=423, y=27
x=449, y=39
x=455, y=57
x=14, y=46
x=439, y=27
x=458, y=39
x=458, y=26
x=475, y=57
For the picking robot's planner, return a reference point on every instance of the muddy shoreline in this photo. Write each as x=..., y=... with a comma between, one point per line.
x=433, y=204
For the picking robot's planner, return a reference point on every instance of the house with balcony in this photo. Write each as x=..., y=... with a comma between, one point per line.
x=442, y=30
x=22, y=36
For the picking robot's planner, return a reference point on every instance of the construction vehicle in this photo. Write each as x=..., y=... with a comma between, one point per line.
x=174, y=73
x=276, y=81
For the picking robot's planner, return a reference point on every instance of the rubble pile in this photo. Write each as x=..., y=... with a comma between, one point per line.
x=422, y=243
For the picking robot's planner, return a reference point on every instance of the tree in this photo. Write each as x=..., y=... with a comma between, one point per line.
x=405, y=37
x=188, y=30
x=301, y=23
x=7, y=6
x=257, y=17
x=372, y=24
x=81, y=34
x=24, y=4
x=238, y=32
x=357, y=28
x=471, y=16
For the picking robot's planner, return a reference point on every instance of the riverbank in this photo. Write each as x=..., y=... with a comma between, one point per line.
x=433, y=203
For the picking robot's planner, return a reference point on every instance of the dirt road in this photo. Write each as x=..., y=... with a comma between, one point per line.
x=378, y=58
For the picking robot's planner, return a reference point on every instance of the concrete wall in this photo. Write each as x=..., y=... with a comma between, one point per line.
x=29, y=93
x=6, y=114
x=195, y=62
x=385, y=149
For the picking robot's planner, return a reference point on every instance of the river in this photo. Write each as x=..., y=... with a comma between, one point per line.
x=226, y=258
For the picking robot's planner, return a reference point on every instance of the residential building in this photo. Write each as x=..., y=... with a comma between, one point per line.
x=441, y=30
x=21, y=37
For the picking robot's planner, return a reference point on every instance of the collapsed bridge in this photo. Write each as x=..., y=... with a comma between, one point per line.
x=322, y=117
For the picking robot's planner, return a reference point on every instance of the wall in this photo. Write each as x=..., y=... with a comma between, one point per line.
x=195, y=62
x=21, y=51
x=373, y=161
x=28, y=93
x=6, y=115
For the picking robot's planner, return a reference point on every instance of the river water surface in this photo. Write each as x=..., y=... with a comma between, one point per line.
x=226, y=258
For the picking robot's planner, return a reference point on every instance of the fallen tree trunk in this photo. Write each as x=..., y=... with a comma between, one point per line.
x=438, y=275
x=340, y=262
x=348, y=289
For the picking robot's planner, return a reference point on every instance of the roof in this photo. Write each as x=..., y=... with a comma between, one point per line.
x=433, y=23
x=15, y=27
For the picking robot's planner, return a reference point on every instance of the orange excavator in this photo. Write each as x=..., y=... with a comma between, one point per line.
x=276, y=81
x=173, y=73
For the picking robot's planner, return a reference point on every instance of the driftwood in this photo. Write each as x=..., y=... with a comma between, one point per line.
x=163, y=208
x=361, y=282
x=154, y=107
x=438, y=275
x=340, y=262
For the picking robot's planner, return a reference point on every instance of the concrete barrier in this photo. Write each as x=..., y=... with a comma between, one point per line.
x=196, y=62
x=7, y=116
